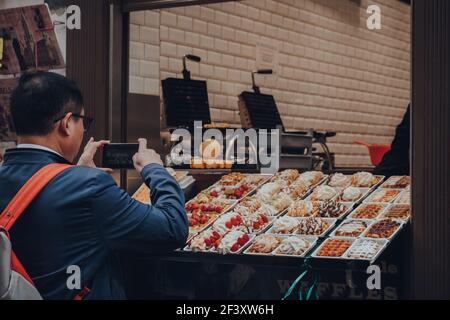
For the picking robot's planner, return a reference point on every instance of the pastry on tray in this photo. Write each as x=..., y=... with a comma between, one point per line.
x=231, y=179
x=368, y=211
x=230, y=192
x=232, y=242
x=404, y=197
x=269, y=190
x=383, y=195
x=204, y=241
x=333, y=247
x=199, y=221
x=323, y=193
x=312, y=226
x=397, y=182
x=351, y=228
x=331, y=209
x=296, y=190
x=339, y=180
x=254, y=180
x=206, y=205
x=255, y=222
x=280, y=202
x=293, y=246
x=284, y=225
x=311, y=178
x=364, y=249
x=264, y=243
x=248, y=206
x=351, y=194
x=398, y=211
x=364, y=180
x=304, y=208
x=383, y=229
x=227, y=222
x=286, y=176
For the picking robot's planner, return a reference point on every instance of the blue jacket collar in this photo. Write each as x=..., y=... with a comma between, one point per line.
x=31, y=156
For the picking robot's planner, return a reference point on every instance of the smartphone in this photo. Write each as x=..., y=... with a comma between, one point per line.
x=119, y=155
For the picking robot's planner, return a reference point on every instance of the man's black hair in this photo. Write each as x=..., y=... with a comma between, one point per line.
x=39, y=99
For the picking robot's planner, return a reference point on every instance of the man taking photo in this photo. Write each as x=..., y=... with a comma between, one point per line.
x=81, y=218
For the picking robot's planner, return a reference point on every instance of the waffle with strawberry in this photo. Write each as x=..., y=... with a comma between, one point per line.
x=232, y=242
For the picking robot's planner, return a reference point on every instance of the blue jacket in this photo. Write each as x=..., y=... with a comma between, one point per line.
x=82, y=218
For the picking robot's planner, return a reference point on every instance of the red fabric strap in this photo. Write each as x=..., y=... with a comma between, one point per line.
x=22, y=200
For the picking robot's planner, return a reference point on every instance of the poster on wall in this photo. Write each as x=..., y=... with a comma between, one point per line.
x=6, y=128
x=29, y=40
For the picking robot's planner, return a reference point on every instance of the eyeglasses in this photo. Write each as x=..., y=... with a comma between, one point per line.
x=87, y=121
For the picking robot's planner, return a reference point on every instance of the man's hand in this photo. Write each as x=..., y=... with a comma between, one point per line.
x=91, y=148
x=145, y=156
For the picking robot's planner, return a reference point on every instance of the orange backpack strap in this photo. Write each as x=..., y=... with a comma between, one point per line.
x=28, y=193
x=22, y=200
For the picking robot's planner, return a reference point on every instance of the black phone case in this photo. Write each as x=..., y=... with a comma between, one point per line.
x=119, y=155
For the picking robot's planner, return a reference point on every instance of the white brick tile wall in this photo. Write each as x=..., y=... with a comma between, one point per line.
x=334, y=74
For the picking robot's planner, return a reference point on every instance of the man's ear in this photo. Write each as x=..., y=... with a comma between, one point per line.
x=65, y=125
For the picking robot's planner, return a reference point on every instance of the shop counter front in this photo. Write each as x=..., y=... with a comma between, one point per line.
x=329, y=228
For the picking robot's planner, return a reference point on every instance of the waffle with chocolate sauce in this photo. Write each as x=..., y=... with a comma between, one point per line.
x=331, y=209
x=383, y=229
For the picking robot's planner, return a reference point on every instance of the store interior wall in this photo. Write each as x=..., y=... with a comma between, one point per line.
x=332, y=72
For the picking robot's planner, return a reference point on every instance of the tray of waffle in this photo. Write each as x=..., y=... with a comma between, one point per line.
x=232, y=179
x=328, y=209
x=199, y=221
x=205, y=204
x=351, y=228
x=396, y=182
x=234, y=242
x=236, y=192
x=280, y=202
x=251, y=205
x=206, y=241
x=237, y=185
x=142, y=194
x=312, y=178
x=404, y=197
x=383, y=196
x=285, y=177
x=284, y=225
x=334, y=209
x=353, y=194
x=256, y=222
x=304, y=208
x=339, y=180
x=256, y=180
x=366, y=249
x=384, y=229
x=333, y=248
x=295, y=246
x=313, y=226
x=398, y=211
x=227, y=222
x=365, y=180
x=269, y=190
x=323, y=193
x=264, y=244
x=296, y=190
x=369, y=211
